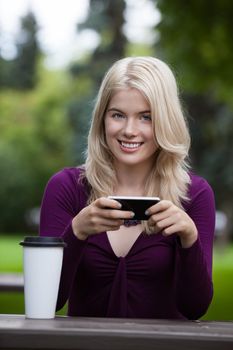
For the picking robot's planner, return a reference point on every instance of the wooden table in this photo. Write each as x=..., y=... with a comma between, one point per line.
x=66, y=333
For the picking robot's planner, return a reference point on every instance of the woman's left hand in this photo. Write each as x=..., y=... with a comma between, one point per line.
x=168, y=218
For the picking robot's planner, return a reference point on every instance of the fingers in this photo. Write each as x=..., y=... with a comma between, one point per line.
x=101, y=225
x=159, y=207
x=168, y=218
x=110, y=209
x=102, y=215
x=159, y=212
x=104, y=202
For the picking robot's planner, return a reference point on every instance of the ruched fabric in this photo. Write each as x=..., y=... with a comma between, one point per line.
x=156, y=279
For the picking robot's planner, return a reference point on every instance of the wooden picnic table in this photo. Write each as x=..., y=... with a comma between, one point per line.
x=82, y=333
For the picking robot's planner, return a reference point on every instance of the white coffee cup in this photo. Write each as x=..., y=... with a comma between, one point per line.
x=42, y=262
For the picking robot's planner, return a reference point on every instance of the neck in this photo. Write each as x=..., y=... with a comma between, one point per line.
x=131, y=180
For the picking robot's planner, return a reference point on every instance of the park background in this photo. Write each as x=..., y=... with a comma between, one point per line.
x=46, y=103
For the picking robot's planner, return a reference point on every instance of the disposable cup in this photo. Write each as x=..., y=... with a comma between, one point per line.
x=42, y=263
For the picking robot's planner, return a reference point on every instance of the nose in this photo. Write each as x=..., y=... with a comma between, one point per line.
x=130, y=128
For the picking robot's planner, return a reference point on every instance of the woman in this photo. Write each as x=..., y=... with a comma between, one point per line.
x=138, y=145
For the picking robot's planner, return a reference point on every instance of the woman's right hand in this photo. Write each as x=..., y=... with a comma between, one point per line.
x=101, y=215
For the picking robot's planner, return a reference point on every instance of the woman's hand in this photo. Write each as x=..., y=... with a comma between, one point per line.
x=100, y=216
x=168, y=218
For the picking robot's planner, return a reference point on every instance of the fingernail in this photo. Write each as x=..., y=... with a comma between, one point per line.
x=146, y=212
x=132, y=214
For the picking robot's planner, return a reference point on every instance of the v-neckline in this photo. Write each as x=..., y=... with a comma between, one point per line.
x=130, y=249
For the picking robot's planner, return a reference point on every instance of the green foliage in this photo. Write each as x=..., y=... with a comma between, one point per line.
x=14, y=190
x=35, y=142
x=107, y=19
x=196, y=39
x=21, y=72
x=28, y=54
x=196, y=36
x=138, y=49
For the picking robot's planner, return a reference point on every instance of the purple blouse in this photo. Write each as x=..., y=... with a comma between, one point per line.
x=156, y=279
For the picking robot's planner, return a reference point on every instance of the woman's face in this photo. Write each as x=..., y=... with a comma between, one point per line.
x=128, y=128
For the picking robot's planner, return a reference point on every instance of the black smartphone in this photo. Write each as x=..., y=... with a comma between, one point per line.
x=136, y=204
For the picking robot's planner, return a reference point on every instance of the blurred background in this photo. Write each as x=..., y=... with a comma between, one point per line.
x=53, y=55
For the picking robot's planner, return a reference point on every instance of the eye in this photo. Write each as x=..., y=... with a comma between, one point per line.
x=118, y=116
x=146, y=117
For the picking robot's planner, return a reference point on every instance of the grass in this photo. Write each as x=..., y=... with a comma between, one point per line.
x=11, y=257
x=221, y=307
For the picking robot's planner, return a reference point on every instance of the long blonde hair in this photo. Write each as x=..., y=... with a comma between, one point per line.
x=154, y=79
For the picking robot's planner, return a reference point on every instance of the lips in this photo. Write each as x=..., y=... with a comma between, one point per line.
x=130, y=145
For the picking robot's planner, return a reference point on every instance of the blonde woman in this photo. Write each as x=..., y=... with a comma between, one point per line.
x=138, y=145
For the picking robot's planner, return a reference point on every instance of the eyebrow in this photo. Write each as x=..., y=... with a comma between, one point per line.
x=113, y=109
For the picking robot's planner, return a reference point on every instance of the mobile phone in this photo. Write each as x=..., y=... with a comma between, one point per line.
x=136, y=204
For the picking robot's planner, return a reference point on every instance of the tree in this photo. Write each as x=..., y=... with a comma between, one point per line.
x=196, y=36
x=21, y=72
x=28, y=53
x=106, y=17
x=196, y=39
x=34, y=144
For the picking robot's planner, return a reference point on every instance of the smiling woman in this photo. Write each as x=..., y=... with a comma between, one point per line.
x=138, y=145
x=128, y=129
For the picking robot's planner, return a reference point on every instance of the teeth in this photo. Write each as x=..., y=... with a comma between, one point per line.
x=130, y=145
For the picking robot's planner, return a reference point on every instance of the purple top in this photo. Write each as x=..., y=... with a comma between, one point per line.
x=156, y=279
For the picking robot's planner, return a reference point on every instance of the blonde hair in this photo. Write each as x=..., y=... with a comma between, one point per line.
x=154, y=79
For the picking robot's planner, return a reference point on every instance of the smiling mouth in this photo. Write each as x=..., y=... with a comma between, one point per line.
x=130, y=145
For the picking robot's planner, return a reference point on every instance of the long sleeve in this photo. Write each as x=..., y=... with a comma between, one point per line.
x=63, y=199
x=194, y=288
